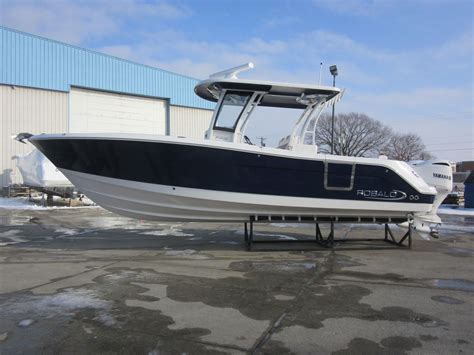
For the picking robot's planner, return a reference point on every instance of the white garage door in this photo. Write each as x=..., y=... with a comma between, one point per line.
x=103, y=112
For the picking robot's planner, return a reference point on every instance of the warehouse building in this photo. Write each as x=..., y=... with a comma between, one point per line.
x=52, y=87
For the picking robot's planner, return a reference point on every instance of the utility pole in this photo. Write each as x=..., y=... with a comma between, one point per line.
x=320, y=72
x=333, y=71
x=262, y=141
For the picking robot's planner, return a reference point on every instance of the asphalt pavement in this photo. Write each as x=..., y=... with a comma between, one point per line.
x=84, y=281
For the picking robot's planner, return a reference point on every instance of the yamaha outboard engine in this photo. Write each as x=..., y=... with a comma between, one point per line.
x=439, y=174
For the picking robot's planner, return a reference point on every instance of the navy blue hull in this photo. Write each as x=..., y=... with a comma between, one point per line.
x=227, y=170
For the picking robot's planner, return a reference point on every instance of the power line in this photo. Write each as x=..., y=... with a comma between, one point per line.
x=456, y=136
x=443, y=116
x=444, y=143
x=449, y=150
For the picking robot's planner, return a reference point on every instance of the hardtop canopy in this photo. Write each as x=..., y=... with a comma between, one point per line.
x=284, y=95
x=236, y=100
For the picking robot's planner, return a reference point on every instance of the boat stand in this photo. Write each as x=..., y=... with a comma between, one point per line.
x=329, y=241
x=406, y=236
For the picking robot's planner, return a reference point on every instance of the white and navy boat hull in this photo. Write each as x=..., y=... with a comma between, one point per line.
x=171, y=179
x=172, y=203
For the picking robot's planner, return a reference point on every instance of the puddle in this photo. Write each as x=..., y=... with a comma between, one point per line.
x=279, y=236
x=212, y=321
x=455, y=284
x=274, y=266
x=292, y=225
x=344, y=261
x=283, y=297
x=121, y=275
x=447, y=300
x=460, y=251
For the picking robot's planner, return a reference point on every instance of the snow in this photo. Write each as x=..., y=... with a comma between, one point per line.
x=458, y=211
x=22, y=203
x=25, y=323
x=18, y=204
x=66, y=231
x=73, y=299
x=12, y=237
x=113, y=221
x=106, y=319
x=185, y=252
x=171, y=231
x=64, y=303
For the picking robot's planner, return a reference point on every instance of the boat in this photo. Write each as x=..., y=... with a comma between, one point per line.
x=225, y=178
x=37, y=171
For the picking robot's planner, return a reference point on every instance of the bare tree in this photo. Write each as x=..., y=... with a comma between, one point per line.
x=355, y=134
x=406, y=147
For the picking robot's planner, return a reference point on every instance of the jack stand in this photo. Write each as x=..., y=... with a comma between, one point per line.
x=248, y=235
x=392, y=240
x=329, y=241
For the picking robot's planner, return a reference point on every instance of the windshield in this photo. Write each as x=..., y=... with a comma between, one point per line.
x=231, y=109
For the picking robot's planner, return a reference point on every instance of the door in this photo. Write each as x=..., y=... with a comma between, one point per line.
x=93, y=111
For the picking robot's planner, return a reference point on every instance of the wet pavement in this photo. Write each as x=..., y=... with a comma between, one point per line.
x=83, y=280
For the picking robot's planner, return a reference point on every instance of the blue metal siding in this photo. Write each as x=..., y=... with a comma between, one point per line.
x=469, y=195
x=28, y=60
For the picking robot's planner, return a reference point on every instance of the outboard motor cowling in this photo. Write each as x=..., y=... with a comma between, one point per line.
x=439, y=174
x=436, y=173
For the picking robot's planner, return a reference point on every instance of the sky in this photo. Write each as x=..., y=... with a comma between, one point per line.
x=407, y=63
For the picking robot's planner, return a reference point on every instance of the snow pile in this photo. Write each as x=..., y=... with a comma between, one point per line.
x=18, y=203
x=22, y=203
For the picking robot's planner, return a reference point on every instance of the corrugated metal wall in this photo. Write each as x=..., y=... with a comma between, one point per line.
x=27, y=110
x=189, y=122
x=43, y=71
x=28, y=60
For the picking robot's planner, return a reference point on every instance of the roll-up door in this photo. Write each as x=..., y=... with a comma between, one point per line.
x=93, y=111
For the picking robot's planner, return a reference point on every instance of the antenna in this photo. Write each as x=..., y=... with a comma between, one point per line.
x=320, y=72
x=262, y=141
x=232, y=72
